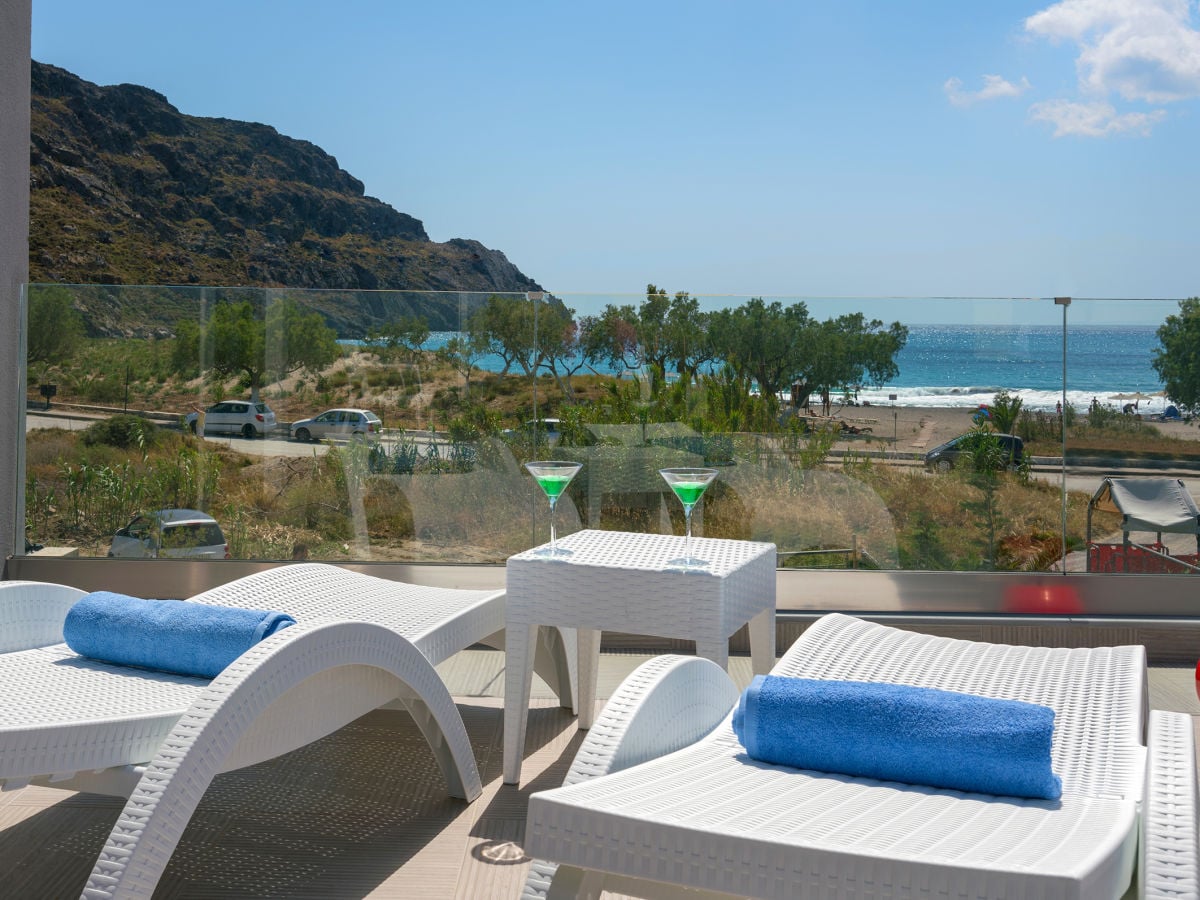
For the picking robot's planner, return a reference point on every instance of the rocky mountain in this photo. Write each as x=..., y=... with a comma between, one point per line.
x=125, y=189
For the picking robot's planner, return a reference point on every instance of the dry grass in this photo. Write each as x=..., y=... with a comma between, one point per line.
x=940, y=525
x=332, y=508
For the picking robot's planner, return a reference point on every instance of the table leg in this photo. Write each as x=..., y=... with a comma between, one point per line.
x=717, y=651
x=518, y=675
x=762, y=641
x=588, y=642
x=555, y=660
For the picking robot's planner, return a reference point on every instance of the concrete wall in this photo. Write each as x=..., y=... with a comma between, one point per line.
x=15, y=22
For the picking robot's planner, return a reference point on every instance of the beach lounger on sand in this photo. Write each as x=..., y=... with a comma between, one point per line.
x=662, y=799
x=360, y=642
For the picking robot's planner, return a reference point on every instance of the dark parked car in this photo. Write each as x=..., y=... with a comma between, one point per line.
x=946, y=456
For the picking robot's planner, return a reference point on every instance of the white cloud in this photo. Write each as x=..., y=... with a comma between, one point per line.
x=1141, y=50
x=993, y=86
x=1098, y=119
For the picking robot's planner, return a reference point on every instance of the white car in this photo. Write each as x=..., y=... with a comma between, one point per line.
x=339, y=423
x=173, y=534
x=242, y=417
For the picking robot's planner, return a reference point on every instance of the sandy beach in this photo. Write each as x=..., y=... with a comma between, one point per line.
x=919, y=428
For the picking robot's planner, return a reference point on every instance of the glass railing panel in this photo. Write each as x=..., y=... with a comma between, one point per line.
x=1132, y=451
x=469, y=387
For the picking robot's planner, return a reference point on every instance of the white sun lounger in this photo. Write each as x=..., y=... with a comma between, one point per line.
x=360, y=642
x=663, y=801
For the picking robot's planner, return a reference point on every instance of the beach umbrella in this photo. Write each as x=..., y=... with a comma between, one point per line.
x=1136, y=395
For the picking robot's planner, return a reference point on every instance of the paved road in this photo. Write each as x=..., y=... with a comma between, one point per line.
x=271, y=446
x=70, y=423
x=265, y=447
x=279, y=446
x=1085, y=480
x=1088, y=480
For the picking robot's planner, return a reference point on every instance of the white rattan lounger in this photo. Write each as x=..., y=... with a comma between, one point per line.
x=360, y=642
x=662, y=800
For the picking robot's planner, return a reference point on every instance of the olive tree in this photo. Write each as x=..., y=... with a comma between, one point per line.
x=236, y=340
x=659, y=333
x=1177, y=358
x=506, y=324
x=55, y=327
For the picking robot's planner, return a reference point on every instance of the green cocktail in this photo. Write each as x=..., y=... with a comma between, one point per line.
x=689, y=491
x=553, y=476
x=689, y=486
x=553, y=485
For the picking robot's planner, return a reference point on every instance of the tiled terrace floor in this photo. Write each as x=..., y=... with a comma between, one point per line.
x=362, y=813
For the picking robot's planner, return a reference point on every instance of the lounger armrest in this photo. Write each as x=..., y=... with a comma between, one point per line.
x=664, y=705
x=32, y=613
x=1168, y=851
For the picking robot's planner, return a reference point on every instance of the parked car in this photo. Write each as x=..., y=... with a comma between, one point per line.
x=946, y=456
x=235, y=417
x=344, y=423
x=171, y=533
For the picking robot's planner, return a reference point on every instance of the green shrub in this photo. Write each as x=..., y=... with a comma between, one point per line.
x=123, y=431
x=1005, y=411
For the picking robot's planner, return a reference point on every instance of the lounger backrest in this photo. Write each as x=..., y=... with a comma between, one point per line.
x=315, y=591
x=1099, y=695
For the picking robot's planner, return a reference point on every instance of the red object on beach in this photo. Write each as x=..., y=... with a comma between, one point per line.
x=1049, y=599
x=1198, y=679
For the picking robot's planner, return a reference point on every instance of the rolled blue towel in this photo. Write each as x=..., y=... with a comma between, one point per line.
x=167, y=635
x=896, y=732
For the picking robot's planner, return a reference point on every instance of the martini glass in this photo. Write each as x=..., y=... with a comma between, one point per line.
x=553, y=476
x=689, y=486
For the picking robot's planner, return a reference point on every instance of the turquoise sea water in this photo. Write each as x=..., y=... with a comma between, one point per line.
x=957, y=365
x=961, y=365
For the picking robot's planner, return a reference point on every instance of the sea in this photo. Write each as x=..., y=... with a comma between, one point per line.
x=966, y=365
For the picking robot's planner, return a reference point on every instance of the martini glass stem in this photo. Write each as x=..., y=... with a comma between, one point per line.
x=687, y=537
x=553, y=545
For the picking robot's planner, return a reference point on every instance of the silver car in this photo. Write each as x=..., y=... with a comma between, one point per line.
x=242, y=417
x=338, y=423
x=171, y=533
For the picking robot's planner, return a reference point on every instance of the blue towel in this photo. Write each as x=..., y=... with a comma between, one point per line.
x=167, y=635
x=900, y=733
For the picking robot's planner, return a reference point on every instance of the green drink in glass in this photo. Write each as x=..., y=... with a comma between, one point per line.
x=689, y=486
x=553, y=476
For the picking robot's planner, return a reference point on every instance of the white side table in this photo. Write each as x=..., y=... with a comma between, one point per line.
x=621, y=581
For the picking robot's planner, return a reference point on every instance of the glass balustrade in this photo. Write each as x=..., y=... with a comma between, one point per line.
x=895, y=434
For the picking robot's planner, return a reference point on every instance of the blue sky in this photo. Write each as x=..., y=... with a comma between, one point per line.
x=857, y=149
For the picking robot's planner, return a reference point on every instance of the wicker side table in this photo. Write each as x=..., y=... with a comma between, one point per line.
x=633, y=583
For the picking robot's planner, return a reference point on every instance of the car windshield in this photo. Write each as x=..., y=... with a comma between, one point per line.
x=261, y=407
